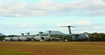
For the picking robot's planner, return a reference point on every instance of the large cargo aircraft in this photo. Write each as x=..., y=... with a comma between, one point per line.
x=44, y=38
x=75, y=37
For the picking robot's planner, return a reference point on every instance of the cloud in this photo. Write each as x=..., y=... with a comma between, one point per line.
x=17, y=28
x=100, y=27
x=82, y=26
x=63, y=24
x=11, y=8
x=84, y=22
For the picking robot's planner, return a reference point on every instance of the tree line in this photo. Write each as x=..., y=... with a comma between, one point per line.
x=93, y=37
x=97, y=36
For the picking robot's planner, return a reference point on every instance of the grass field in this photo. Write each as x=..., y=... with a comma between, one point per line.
x=52, y=48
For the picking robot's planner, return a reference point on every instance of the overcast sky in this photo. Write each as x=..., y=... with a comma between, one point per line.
x=22, y=16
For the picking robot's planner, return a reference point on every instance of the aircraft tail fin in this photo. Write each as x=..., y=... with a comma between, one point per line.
x=40, y=34
x=49, y=33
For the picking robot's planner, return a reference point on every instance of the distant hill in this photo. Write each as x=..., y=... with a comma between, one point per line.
x=1, y=34
x=56, y=33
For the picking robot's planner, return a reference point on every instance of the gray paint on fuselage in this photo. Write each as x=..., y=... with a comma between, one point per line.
x=80, y=36
x=37, y=38
x=23, y=38
x=7, y=38
x=15, y=38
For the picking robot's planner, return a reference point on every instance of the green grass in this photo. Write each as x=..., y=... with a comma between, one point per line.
x=13, y=52
x=6, y=49
x=52, y=48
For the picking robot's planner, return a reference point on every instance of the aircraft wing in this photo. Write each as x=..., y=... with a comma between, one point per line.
x=74, y=34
